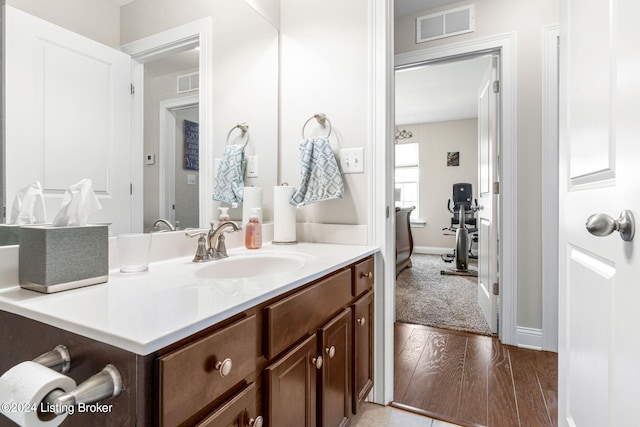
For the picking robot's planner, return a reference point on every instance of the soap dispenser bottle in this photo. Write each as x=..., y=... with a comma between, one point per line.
x=224, y=216
x=253, y=232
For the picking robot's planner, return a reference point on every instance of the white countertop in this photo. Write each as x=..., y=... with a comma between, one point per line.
x=145, y=312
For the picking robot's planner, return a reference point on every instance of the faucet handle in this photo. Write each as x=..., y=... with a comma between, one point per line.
x=201, y=252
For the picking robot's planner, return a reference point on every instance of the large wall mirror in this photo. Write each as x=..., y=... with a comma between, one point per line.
x=188, y=107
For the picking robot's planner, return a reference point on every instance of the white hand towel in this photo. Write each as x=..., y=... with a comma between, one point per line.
x=230, y=176
x=320, y=177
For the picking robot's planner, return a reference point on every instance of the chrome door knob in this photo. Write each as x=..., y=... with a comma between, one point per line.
x=331, y=351
x=317, y=361
x=603, y=225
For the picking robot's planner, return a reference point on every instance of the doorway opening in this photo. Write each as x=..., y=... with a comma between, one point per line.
x=446, y=163
x=438, y=341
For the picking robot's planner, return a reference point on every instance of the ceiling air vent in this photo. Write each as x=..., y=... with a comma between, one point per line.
x=188, y=82
x=445, y=24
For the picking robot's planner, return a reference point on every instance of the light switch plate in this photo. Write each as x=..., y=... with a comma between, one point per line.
x=352, y=160
x=252, y=167
x=150, y=159
x=191, y=180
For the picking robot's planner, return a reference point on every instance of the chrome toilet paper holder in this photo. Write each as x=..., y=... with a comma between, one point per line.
x=103, y=385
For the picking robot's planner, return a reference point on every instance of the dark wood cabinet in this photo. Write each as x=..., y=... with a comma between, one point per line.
x=304, y=358
x=239, y=411
x=291, y=386
x=363, y=310
x=193, y=376
x=335, y=382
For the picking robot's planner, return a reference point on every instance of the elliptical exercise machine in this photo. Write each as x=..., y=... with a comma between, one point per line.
x=463, y=223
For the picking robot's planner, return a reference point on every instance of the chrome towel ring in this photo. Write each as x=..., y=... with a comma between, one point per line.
x=245, y=132
x=321, y=119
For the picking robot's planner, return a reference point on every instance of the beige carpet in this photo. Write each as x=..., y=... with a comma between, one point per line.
x=425, y=297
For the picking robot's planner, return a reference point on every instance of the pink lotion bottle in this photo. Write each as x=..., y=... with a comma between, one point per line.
x=253, y=232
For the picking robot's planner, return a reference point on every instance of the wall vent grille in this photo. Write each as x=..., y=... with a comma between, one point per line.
x=447, y=23
x=188, y=82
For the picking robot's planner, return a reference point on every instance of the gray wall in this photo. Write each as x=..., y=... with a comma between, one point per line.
x=97, y=19
x=437, y=179
x=526, y=18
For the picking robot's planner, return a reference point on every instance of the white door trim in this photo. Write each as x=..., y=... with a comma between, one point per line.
x=381, y=165
x=167, y=150
x=508, y=208
x=550, y=188
x=197, y=33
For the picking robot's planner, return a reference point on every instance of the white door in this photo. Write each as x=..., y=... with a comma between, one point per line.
x=487, y=215
x=68, y=116
x=599, y=284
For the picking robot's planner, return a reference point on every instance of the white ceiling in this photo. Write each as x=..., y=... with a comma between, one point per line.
x=439, y=92
x=408, y=7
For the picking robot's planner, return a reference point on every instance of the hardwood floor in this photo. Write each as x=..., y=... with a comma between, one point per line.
x=473, y=380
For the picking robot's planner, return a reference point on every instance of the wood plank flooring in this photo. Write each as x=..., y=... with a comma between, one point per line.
x=473, y=380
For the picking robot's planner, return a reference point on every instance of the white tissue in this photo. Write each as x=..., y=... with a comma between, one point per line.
x=28, y=206
x=78, y=203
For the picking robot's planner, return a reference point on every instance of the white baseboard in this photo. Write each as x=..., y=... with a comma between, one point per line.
x=530, y=338
x=431, y=250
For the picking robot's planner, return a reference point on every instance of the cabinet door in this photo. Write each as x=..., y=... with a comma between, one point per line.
x=291, y=386
x=335, y=384
x=362, y=349
x=239, y=411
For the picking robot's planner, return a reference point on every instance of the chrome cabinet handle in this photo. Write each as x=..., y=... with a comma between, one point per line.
x=256, y=422
x=331, y=351
x=224, y=367
x=603, y=225
x=317, y=361
x=368, y=275
x=362, y=321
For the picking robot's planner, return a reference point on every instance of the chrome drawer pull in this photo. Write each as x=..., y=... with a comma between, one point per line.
x=224, y=367
x=368, y=275
x=362, y=321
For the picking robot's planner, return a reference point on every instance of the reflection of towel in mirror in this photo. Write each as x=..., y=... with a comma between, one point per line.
x=319, y=173
x=230, y=176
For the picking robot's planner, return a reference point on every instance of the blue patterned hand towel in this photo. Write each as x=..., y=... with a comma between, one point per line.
x=230, y=176
x=319, y=173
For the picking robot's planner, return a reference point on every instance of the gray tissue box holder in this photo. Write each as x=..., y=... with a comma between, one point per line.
x=9, y=234
x=54, y=259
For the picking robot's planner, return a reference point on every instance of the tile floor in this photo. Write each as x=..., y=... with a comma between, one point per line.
x=372, y=415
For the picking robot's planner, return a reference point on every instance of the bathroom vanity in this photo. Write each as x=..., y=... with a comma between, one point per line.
x=282, y=336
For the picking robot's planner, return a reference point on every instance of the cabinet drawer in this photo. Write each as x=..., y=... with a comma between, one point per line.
x=302, y=313
x=237, y=411
x=192, y=377
x=363, y=276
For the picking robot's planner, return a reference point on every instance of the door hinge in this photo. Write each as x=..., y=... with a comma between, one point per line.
x=496, y=288
x=496, y=188
x=387, y=212
x=131, y=189
x=133, y=89
x=496, y=86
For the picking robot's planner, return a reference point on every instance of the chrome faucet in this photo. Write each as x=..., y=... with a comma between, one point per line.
x=217, y=248
x=166, y=223
x=214, y=239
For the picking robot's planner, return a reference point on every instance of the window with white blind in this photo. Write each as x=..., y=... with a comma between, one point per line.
x=407, y=177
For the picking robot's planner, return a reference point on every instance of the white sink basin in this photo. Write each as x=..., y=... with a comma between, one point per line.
x=249, y=265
